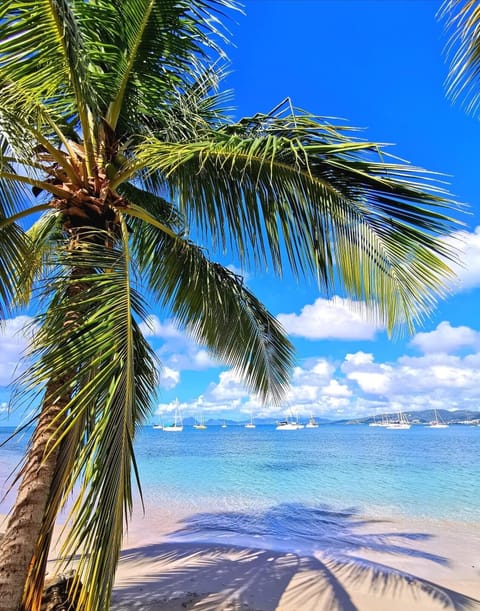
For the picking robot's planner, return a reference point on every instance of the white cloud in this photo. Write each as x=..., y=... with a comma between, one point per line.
x=357, y=387
x=169, y=378
x=14, y=334
x=337, y=318
x=335, y=389
x=439, y=379
x=191, y=357
x=229, y=388
x=152, y=326
x=177, y=350
x=446, y=338
x=371, y=377
x=314, y=371
x=359, y=358
x=467, y=269
x=371, y=382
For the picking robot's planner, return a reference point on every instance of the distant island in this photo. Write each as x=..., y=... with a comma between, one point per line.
x=460, y=416
x=425, y=416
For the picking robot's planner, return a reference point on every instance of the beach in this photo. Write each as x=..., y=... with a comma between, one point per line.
x=353, y=563
x=333, y=519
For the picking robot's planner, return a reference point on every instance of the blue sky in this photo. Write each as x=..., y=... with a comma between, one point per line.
x=378, y=65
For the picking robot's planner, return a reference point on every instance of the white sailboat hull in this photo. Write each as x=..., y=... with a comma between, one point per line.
x=437, y=423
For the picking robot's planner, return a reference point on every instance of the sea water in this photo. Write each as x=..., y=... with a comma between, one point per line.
x=419, y=473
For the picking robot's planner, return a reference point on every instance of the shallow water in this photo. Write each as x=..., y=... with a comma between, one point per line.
x=419, y=473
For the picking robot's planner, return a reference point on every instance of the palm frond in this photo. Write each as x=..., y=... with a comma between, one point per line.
x=43, y=52
x=462, y=21
x=13, y=195
x=151, y=48
x=155, y=205
x=214, y=306
x=14, y=246
x=28, y=125
x=290, y=190
x=194, y=107
x=90, y=334
x=43, y=237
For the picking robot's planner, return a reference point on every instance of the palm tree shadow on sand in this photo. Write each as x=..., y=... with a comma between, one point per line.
x=297, y=557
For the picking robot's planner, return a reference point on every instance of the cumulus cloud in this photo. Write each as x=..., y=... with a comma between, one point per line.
x=359, y=384
x=313, y=390
x=467, y=245
x=445, y=375
x=336, y=318
x=169, y=378
x=371, y=377
x=437, y=379
x=152, y=326
x=177, y=351
x=228, y=388
x=14, y=337
x=446, y=338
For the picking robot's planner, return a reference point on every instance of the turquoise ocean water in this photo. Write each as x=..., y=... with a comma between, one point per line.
x=418, y=473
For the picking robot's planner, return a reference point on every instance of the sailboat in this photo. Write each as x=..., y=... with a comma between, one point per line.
x=200, y=425
x=177, y=425
x=224, y=425
x=251, y=424
x=401, y=424
x=290, y=424
x=437, y=423
x=312, y=423
x=375, y=422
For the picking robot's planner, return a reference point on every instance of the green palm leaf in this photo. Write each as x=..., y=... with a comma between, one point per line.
x=14, y=246
x=43, y=52
x=462, y=18
x=212, y=303
x=89, y=331
x=43, y=236
x=291, y=190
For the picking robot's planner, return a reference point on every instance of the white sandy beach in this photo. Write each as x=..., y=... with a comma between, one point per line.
x=168, y=564
x=373, y=565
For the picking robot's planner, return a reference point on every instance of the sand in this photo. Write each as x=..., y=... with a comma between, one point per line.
x=354, y=564
x=173, y=561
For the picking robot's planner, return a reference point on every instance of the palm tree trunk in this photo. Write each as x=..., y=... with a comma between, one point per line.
x=18, y=545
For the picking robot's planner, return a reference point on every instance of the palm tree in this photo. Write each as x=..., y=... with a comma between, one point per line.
x=113, y=140
x=462, y=19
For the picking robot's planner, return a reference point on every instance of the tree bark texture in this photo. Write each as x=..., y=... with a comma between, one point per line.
x=25, y=522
